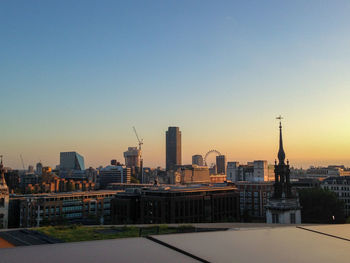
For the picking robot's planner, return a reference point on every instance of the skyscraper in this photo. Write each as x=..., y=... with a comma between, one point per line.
x=173, y=148
x=221, y=164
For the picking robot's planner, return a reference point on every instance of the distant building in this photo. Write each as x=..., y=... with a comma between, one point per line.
x=77, y=207
x=71, y=161
x=189, y=174
x=114, y=174
x=340, y=185
x=4, y=198
x=39, y=168
x=173, y=148
x=221, y=164
x=132, y=157
x=253, y=197
x=256, y=171
x=192, y=204
x=197, y=160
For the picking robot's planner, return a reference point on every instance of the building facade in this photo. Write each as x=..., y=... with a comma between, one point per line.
x=197, y=160
x=71, y=161
x=253, y=197
x=158, y=205
x=256, y=171
x=221, y=164
x=91, y=207
x=173, y=148
x=340, y=185
x=132, y=157
x=114, y=174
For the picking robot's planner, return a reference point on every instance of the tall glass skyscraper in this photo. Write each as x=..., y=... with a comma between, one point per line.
x=173, y=148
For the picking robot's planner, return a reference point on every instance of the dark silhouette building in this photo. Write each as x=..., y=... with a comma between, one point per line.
x=221, y=164
x=173, y=148
x=192, y=204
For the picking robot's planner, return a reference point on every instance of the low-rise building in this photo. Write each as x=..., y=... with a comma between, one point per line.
x=114, y=174
x=341, y=186
x=54, y=208
x=177, y=204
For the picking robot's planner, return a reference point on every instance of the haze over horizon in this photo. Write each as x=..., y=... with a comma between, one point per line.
x=76, y=76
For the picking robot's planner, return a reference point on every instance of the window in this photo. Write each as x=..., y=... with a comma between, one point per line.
x=292, y=218
x=2, y=202
x=275, y=218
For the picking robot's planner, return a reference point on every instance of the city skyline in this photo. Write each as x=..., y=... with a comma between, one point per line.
x=77, y=77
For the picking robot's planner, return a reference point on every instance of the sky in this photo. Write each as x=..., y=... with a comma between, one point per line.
x=78, y=75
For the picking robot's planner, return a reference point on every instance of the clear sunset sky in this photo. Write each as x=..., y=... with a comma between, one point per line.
x=77, y=75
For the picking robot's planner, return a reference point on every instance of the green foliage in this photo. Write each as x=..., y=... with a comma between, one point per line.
x=75, y=233
x=320, y=206
x=133, y=180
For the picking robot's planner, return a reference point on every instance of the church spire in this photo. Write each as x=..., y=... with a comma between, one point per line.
x=281, y=154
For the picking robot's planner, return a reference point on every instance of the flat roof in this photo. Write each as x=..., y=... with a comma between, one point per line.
x=260, y=243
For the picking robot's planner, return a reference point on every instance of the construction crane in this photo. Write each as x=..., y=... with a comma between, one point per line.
x=140, y=148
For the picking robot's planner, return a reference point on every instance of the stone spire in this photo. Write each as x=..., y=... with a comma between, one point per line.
x=281, y=154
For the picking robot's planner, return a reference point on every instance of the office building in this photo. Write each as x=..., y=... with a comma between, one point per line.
x=39, y=168
x=191, y=204
x=173, y=148
x=4, y=198
x=340, y=185
x=132, y=157
x=189, y=174
x=221, y=164
x=114, y=173
x=253, y=197
x=256, y=171
x=197, y=160
x=71, y=161
x=53, y=208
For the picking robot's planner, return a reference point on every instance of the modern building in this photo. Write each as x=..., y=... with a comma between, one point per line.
x=191, y=204
x=4, y=198
x=114, y=174
x=221, y=164
x=253, y=197
x=132, y=157
x=189, y=174
x=39, y=168
x=340, y=185
x=283, y=207
x=173, y=148
x=256, y=171
x=197, y=160
x=92, y=207
x=71, y=161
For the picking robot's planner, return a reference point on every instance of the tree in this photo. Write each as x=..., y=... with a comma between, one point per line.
x=321, y=206
x=133, y=180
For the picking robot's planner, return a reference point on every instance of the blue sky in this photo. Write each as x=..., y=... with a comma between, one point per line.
x=77, y=75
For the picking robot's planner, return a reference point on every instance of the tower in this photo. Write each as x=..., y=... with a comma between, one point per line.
x=283, y=207
x=4, y=198
x=173, y=148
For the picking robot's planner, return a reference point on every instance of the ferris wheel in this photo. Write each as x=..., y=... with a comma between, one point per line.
x=209, y=153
